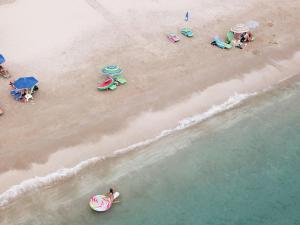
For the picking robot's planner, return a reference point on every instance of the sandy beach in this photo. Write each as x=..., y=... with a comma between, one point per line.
x=65, y=43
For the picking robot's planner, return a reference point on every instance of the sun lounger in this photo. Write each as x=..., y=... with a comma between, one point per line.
x=13, y=92
x=186, y=32
x=120, y=79
x=113, y=87
x=229, y=37
x=18, y=96
x=218, y=42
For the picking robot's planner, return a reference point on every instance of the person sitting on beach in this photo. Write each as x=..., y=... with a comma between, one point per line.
x=244, y=37
x=250, y=37
x=2, y=70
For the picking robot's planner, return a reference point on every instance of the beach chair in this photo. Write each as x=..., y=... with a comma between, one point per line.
x=18, y=96
x=229, y=37
x=186, y=32
x=120, y=79
x=113, y=87
x=173, y=37
x=13, y=92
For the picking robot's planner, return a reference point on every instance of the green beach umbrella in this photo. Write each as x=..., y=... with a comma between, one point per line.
x=111, y=70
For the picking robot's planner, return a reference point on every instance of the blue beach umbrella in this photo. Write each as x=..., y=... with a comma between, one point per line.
x=2, y=59
x=111, y=70
x=25, y=82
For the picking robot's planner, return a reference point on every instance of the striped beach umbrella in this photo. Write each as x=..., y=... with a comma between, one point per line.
x=111, y=70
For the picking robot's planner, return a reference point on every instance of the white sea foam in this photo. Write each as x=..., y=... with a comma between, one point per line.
x=38, y=182
x=190, y=121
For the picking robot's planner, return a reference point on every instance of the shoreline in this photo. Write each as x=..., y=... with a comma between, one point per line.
x=210, y=155
x=43, y=178
x=88, y=134
x=161, y=77
x=64, y=174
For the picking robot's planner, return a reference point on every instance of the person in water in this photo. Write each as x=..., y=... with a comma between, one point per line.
x=110, y=194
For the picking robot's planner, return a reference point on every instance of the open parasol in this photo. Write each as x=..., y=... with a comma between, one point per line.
x=111, y=70
x=240, y=28
x=25, y=82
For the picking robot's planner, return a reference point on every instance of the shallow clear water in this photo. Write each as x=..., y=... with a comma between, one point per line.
x=241, y=167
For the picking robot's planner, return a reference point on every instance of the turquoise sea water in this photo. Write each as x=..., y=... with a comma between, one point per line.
x=241, y=167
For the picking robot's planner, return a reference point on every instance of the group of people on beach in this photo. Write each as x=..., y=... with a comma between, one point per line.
x=241, y=40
